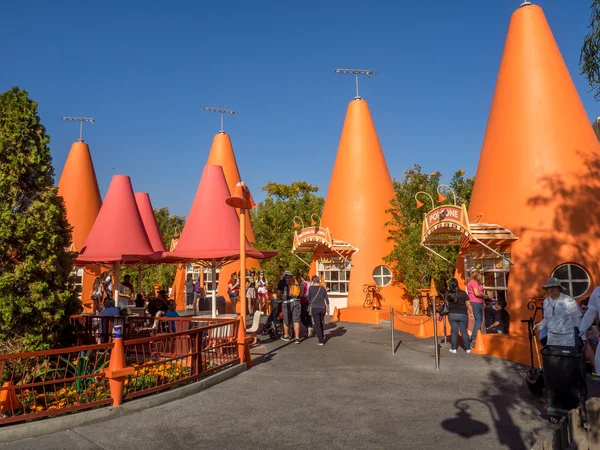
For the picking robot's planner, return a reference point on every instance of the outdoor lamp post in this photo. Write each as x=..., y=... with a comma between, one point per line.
x=242, y=199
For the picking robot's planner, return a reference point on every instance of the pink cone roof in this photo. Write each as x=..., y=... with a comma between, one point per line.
x=118, y=234
x=212, y=229
x=147, y=212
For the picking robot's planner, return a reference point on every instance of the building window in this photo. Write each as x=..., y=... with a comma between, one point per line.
x=382, y=275
x=77, y=280
x=495, y=271
x=336, y=274
x=208, y=280
x=574, y=278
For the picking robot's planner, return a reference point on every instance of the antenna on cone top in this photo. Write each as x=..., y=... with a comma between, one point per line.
x=356, y=72
x=525, y=3
x=80, y=120
x=221, y=111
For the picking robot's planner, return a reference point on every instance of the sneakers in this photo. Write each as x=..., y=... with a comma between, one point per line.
x=297, y=341
x=285, y=338
x=452, y=350
x=320, y=343
x=468, y=351
x=310, y=332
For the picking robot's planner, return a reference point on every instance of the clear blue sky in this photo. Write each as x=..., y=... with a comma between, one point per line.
x=146, y=70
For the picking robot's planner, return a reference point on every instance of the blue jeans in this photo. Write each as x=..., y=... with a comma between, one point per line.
x=478, y=313
x=459, y=322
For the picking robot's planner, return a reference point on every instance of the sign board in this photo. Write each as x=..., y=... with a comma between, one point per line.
x=446, y=220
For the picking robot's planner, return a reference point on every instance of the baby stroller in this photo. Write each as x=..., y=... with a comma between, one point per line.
x=274, y=325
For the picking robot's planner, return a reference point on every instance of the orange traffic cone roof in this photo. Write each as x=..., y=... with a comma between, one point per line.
x=118, y=233
x=537, y=174
x=79, y=188
x=147, y=212
x=221, y=154
x=359, y=193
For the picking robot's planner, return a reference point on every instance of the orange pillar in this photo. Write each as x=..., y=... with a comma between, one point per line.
x=79, y=189
x=537, y=173
x=359, y=193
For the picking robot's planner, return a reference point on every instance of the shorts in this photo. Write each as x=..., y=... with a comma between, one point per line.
x=291, y=312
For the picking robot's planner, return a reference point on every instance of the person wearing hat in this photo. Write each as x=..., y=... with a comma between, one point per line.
x=561, y=315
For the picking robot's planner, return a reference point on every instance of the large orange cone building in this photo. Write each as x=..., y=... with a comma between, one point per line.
x=221, y=154
x=359, y=194
x=79, y=188
x=537, y=174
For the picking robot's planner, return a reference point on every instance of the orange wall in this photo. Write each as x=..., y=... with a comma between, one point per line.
x=359, y=193
x=538, y=173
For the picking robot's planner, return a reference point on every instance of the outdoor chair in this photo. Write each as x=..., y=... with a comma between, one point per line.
x=256, y=327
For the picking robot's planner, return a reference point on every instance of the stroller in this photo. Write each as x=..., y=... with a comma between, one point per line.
x=274, y=325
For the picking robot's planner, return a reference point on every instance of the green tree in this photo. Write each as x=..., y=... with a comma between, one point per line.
x=163, y=274
x=413, y=266
x=589, y=59
x=273, y=224
x=35, y=265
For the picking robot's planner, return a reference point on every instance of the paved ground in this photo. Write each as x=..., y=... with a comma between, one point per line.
x=350, y=393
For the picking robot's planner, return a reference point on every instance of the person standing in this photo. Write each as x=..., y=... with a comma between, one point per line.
x=305, y=316
x=189, y=292
x=233, y=290
x=459, y=311
x=476, y=297
x=97, y=294
x=288, y=292
x=561, y=315
x=251, y=294
x=592, y=313
x=263, y=292
x=319, y=306
x=198, y=295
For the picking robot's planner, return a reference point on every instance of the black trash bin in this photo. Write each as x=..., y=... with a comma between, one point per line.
x=565, y=379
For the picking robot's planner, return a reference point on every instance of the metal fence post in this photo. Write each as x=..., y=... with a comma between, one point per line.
x=392, y=327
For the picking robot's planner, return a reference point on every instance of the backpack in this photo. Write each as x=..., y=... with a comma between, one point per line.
x=294, y=290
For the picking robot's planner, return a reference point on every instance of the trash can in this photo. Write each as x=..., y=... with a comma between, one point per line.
x=565, y=379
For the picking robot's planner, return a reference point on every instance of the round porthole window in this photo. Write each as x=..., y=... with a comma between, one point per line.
x=574, y=278
x=382, y=275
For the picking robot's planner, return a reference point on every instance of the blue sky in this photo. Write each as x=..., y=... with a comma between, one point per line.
x=146, y=70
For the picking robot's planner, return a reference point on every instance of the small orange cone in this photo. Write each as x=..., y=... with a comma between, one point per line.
x=422, y=333
x=117, y=369
x=335, y=316
x=8, y=398
x=479, y=347
x=404, y=307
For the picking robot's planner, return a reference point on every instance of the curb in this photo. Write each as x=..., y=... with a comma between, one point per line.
x=54, y=425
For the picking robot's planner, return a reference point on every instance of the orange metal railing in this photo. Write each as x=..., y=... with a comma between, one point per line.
x=47, y=383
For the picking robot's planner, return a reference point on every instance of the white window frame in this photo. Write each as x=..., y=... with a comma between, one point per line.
x=380, y=276
x=342, y=268
x=208, y=280
x=571, y=280
x=498, y=267
x=77, y=275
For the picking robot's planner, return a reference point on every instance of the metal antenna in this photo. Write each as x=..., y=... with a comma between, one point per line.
x=221, y=111
x=356, y=72
x=80, y=120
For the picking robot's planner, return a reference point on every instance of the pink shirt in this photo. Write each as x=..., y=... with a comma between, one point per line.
x=471, y=285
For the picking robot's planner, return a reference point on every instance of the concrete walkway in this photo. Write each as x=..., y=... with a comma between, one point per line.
x=349, y=394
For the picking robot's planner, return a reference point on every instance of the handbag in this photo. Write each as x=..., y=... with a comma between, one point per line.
x=444, y=308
